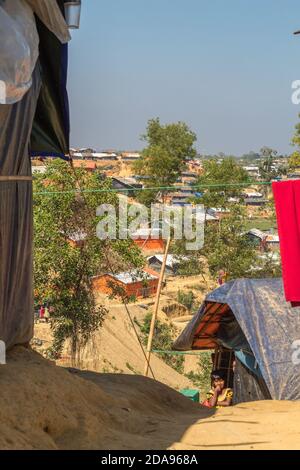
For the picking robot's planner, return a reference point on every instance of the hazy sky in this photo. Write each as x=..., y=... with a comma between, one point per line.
x=223, y=66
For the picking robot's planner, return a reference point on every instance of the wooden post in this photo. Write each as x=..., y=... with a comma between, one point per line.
x=154, y=316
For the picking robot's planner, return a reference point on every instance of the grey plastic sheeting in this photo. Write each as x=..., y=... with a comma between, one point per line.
x=270, y=325
x=247, y=386
x=16, y=297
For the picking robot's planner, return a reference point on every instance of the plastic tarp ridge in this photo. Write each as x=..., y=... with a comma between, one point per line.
x=49, y=12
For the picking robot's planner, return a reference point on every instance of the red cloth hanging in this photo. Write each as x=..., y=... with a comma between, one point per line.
x=287, y=202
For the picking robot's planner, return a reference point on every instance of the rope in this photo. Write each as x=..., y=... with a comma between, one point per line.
x=157, y=188
x=175, y=353
x=188, y=353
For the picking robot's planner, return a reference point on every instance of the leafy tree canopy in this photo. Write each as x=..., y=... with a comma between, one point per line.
x=164, y=158
x=229, y=249
x=68, y=253
x=220, y=175
x=296, y=136
x=176, y=139
x=294, y=160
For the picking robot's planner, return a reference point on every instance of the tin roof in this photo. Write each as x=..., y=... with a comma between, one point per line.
x=133, y=276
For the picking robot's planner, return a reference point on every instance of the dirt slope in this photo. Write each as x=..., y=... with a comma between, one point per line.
x=115, y=349
x=43, y=406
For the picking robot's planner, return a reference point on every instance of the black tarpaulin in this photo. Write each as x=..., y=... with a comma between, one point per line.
x=247, y=386
x=51, y=127
x=268, y=323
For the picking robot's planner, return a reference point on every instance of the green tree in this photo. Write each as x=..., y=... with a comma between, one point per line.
x=227, y=247
x=187, y=299
x=294, y=160
x=63, y=270
x=162, y=161
x=164, y=336
x=188, y=264
x=201, y=377
x=267, y=266
x=296, y=136
x=224, y=179
x=267, y=170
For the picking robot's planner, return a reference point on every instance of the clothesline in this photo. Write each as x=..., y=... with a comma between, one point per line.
x=155, y=188
x=176, y=353
x=190, y=353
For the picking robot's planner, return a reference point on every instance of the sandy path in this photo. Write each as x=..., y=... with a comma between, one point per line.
x=43, y=406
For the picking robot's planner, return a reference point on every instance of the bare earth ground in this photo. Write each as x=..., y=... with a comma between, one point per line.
x=43, y=406
x=115, y=348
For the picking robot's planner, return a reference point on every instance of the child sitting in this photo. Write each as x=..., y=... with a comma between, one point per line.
x=219, y=396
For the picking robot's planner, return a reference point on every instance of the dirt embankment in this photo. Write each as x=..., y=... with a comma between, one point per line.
x=43, y=406
x=115, y=349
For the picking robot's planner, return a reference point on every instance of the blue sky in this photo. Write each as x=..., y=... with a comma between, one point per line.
x=223, y=66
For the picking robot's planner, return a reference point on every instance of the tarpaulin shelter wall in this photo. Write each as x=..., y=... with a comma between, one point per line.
x=265, y=326
x=40, y=122
x=248, y=386
x=16, y=302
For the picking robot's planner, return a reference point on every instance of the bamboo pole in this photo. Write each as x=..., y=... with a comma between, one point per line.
x=156, y=305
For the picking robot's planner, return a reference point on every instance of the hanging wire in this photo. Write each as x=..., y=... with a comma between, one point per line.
x=157, y=188
x=176, y=353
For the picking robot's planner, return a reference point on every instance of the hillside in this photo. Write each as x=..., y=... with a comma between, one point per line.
x=43, y=406
x=115, y=349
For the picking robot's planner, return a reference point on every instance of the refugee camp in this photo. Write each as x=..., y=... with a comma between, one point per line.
x=149, y=229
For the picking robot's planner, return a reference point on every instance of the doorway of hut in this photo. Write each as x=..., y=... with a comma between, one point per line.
x=224, y=360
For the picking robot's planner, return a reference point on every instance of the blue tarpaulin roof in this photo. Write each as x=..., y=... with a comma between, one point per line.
x=269, y=324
